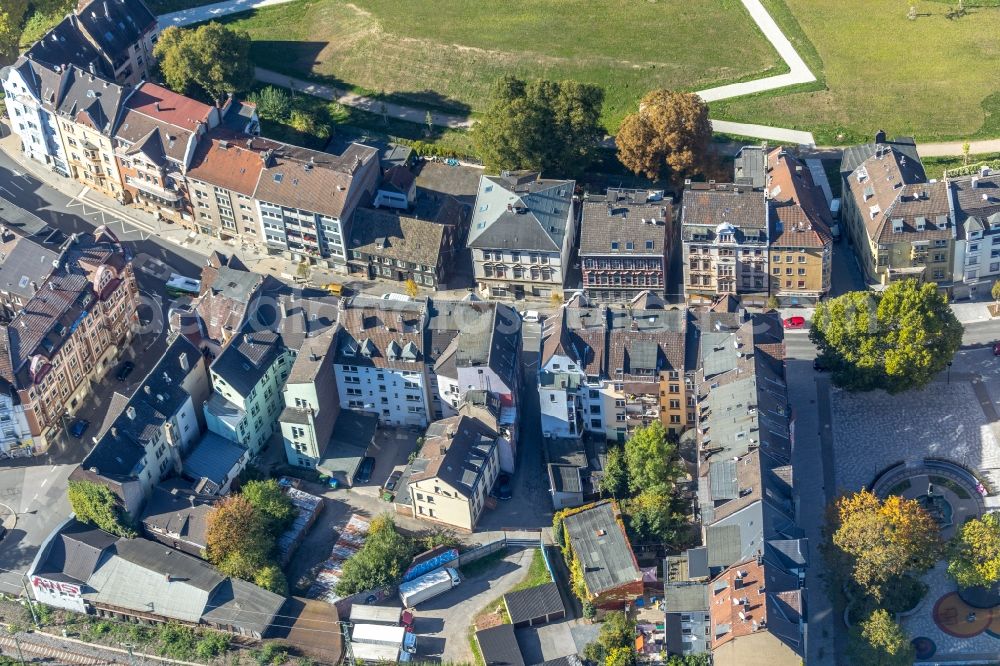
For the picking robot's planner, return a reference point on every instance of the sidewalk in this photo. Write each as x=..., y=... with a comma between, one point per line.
x=141, y=221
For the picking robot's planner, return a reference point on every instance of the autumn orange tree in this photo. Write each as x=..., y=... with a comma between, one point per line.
x=240, y=542
x=879, y=540
x=670, y=132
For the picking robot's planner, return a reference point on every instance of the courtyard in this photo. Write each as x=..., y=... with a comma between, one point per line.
x=941, y=447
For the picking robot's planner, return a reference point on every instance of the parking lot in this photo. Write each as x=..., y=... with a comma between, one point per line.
x=441, y=623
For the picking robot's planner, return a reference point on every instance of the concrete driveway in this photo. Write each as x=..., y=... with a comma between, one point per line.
x=442, y=623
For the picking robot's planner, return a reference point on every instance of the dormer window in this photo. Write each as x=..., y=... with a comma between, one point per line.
x=897, y=225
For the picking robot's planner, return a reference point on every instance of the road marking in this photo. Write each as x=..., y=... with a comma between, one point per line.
x=13, y=184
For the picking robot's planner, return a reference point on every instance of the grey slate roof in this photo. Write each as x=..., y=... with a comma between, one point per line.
x=400, y=235
x=245, y=360
x=458, y=449
x=533, y=603
x=180, y=512
x=625, y=223
x=708, y=209
x=116, y=24
x=473, y=333
x=602, y=547
x=76, y=552
x=521, y=211
x=977, y=207
x=155, y=400
x=65, y=45
x=749, y=167
x=91, y=100
x=853, y=156
x=499, y=647
x=23, y=262
x=213, y=458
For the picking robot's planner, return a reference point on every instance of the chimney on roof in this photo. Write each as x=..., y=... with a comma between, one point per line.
x=114, y=431
x=148, y=390
x=880, y=136
x=185, y=364
x=284, y=308
x=34, y=287
x=130, y=412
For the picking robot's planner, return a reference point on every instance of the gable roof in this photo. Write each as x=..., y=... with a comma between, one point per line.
x=115, y=25
x=160, y=123
x=463, y=334
x=64, y=45
x=521, y=211
x=311, y=180
x=382, y=333
x=458, y=450
x=398, y=235
x=227, y=160
x=533, y=603
x=976, y=201
x=894, y=199
x=799, y=214
x=91, y=101
x=624, y=223
x=598, y=538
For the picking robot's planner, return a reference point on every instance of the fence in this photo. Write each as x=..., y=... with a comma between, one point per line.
x=481, y=552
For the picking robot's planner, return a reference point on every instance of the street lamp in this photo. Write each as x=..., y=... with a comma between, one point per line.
x=949, y=373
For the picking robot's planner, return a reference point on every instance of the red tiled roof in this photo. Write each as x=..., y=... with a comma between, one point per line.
x=228, y=161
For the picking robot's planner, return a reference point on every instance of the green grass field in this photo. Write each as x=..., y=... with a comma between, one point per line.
x=931, y=78
x=447, y=53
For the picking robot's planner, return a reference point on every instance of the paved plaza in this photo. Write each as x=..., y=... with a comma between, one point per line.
x=953, y=418
x=874, y=430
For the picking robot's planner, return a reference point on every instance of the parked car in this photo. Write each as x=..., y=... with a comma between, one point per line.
x=795, y=322
x=390, y=483
x=502, y=488
x=531, y=316
x=364, y=473
x=125, y=370
x=79, y=427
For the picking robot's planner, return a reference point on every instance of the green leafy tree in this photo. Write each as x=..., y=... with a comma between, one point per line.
x=212, y=644
x=975, y=558
x=620, y=656
x=380, y=562
x=617, y=633
x=897, y=340
x=688, y=660
x=652, y=517
x=650, y=458
x=267, y=498
x=307, y=122
x=211, y=59
x=272, y=103
x=94, y=503
x=670, y=132
x=879, y=540
x=880, y=641
x=995, y=291
x=548, y=126
x=615, y=479
x=11, y=19
x=271, y=578
x=238, y=537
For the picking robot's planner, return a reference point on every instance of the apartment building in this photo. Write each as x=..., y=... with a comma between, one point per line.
x=111, y=38
x=30, y=91
x=609, y=371
x=155, y=142
x=646, y=368
x=455, y=471
x=221, y=179
x=523, y=227
x=801, y=244
x=312, y=403
x=724, y=233
x=247, y=381
x=417, y=243
x=473, y=346
x=88, y=111
x=305, y=199
x=975, y=202
x=900, y=225
x=146, y=435
x=70, y=332
x=754, y=553
x=574, y=393
x=625, y=240
x=380, y=359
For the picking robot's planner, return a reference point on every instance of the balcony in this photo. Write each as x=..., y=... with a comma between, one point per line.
x=153, y=190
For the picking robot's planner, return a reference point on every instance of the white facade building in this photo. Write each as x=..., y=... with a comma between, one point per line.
x=30, y=91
